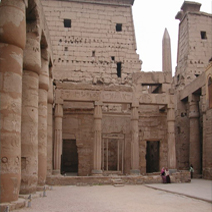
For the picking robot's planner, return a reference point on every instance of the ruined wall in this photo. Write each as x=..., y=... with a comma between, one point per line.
x=90, y=48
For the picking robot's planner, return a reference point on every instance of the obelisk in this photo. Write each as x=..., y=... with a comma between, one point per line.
x=166, y=54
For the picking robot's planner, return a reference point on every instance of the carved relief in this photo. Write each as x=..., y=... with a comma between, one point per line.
x=115, y=124
x=145, y=98
x=116, y=108
x=117, y=97
x=80, y=95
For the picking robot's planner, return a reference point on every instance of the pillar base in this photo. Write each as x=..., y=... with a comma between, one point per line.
x=96, y=172
x=134, y=172
x=56, y=172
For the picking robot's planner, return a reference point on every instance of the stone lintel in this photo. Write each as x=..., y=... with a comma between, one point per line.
x=150, y=78
x=78, y=105
x=197, y=84
x=94, y=96
x=155, y=99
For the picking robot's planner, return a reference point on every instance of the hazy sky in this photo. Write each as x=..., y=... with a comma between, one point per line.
x=151, y=17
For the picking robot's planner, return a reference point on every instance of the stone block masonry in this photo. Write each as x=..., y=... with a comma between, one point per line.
x=92, y=40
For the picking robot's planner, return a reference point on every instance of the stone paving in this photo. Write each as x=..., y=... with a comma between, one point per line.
x=107, y=198
x=198, y=189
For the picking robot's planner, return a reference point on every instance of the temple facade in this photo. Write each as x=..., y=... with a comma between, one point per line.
x=74, y=101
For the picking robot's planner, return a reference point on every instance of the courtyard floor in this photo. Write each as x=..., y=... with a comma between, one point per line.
x=129, y=198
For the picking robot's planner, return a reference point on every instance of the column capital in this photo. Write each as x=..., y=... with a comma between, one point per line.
x=193, y=98
x=58, y=110
x=50, y=91
x=135, y=104
x=44, y=75
x=170, y=114
x=32, y=54
x=193, y=109
x=134, y=114
x=98, y=103
x=98, y=110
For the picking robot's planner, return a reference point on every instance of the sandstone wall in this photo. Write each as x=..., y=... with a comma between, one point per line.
x=90, y=49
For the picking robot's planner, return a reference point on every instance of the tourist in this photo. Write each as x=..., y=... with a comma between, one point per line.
x=168, y=180
x=162, y=173
x=191, y=169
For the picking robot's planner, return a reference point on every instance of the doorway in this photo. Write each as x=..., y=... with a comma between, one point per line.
x=113, y=153
x=152, y=156
x=69, y=160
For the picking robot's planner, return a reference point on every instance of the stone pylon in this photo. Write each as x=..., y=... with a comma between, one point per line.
x=166, y=54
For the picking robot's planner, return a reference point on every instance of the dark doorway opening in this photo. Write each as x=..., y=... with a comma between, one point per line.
x=69, y=162
x=152, y=156
x=119, y=69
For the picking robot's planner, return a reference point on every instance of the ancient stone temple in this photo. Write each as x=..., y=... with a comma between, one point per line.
x=75, y=105
x=109, y=116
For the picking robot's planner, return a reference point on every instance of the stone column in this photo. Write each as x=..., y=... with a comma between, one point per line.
x=97, y=139
x=42, y=120
x=58, y=138
x=134, y=143
x=12, y=43
x=194, y=138
x=50, y=129
x=29, y=122
x=171, y=138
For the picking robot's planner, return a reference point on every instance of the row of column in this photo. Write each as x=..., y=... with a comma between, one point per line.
x=24, y=76
x=135, y=169
x=97, y=148
x=12, y=44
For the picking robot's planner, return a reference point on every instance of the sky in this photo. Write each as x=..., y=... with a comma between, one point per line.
x=151, y=17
